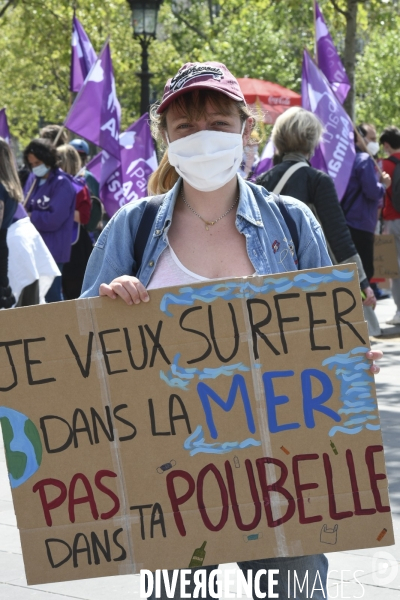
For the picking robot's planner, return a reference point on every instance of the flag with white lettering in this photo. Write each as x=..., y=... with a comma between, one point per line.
x=96, y=112
x=335, y=153
x=4, y=130
x=328, y=59
x=126, y=180
x=83, y=56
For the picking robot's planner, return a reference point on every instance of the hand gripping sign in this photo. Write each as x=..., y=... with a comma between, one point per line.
x=223, y=421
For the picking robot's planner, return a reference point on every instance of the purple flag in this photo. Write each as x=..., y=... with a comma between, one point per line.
x=127, y=181
x=94, y=166
x=96, y=112
x=336, y=152
x=265, y=163
x=328, y=59
x=4, y=130
x=83, y=56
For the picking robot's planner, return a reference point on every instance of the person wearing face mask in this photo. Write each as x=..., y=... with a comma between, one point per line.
x=364, y=197
x=50, y=204
x=207, y=223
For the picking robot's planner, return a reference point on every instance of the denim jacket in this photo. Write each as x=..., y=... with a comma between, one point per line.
x=268, y=241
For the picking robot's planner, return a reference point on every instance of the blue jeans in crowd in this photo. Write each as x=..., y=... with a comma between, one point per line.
x=305, y=567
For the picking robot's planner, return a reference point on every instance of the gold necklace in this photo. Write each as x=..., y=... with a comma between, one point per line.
x=209, y=223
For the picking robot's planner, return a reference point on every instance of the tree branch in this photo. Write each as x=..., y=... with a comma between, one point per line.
x=193, y=28
x=6, y=6
x=60, y=83
x=336, y=6
x=44, y=6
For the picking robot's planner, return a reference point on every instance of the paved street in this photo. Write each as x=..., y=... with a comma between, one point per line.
x=376, y=572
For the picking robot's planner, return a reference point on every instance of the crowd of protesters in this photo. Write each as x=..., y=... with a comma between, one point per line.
x=55, y=191
x=45, y=210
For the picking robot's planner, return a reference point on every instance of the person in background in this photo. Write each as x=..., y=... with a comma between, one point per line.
x=390, y=140
x=82, y=148
x=251, y=157
x=210, y=224
x=364, y=196
x=97, y=214
x=10, y=196
x=50, y=132
x=74, y=270
x=367, y=139
x=295, y=135
x=51, y=205
x=53, y=133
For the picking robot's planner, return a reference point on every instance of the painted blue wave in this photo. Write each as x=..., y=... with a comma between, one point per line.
x=195, y=444
x=179, y=377
x=246, y=289
x=352, y=370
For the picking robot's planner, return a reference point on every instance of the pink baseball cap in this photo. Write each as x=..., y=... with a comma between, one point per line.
x=195, y=76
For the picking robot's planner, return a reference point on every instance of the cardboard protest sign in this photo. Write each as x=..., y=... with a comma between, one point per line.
x=386, y=264
x=224, y=421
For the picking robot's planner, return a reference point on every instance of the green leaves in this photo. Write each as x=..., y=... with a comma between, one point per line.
x=261, y=39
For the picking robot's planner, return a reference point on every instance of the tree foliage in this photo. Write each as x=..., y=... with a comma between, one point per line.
x=261, y=39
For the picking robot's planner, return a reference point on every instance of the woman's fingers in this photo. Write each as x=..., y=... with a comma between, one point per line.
x=143, y=295
x=374, y=355
x=126, y=290
x=130, y=289
x=106, y=290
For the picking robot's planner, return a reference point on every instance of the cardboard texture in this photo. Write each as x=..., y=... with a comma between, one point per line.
x=224, y=421
x=386, y=265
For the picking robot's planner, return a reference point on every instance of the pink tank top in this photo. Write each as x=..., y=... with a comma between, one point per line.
x=170, y=271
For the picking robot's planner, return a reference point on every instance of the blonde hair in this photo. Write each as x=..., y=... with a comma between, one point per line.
x=69, y=159
x=8, y=172
x=296, y=130
x=193, y=105
x=164, y=177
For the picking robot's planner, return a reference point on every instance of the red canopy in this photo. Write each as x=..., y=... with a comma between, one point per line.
x=271, y=98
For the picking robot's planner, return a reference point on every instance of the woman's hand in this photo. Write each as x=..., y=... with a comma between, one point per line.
x=128, y=288
x=374, y=355
x=370, y=299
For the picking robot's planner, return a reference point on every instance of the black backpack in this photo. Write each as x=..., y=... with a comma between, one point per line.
x=149, y=214
x=395, y=195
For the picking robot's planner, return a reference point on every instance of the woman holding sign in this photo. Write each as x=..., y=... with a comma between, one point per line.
x=207, y=224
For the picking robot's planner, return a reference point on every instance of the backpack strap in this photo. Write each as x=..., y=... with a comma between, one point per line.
x=144, y=229
x=290, y=222
x=287, y=175
x=29, y=194
x=393, y=159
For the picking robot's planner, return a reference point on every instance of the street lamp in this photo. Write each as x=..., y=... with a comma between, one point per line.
x=144, y=22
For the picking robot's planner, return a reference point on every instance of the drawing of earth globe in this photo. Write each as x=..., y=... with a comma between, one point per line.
x=22, y=445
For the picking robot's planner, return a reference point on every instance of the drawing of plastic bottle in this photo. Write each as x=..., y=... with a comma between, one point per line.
x=334, y=448
x=198, y=556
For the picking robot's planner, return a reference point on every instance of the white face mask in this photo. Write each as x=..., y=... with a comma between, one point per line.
x=373, y=148
x=207, y=160
x=41, y=170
